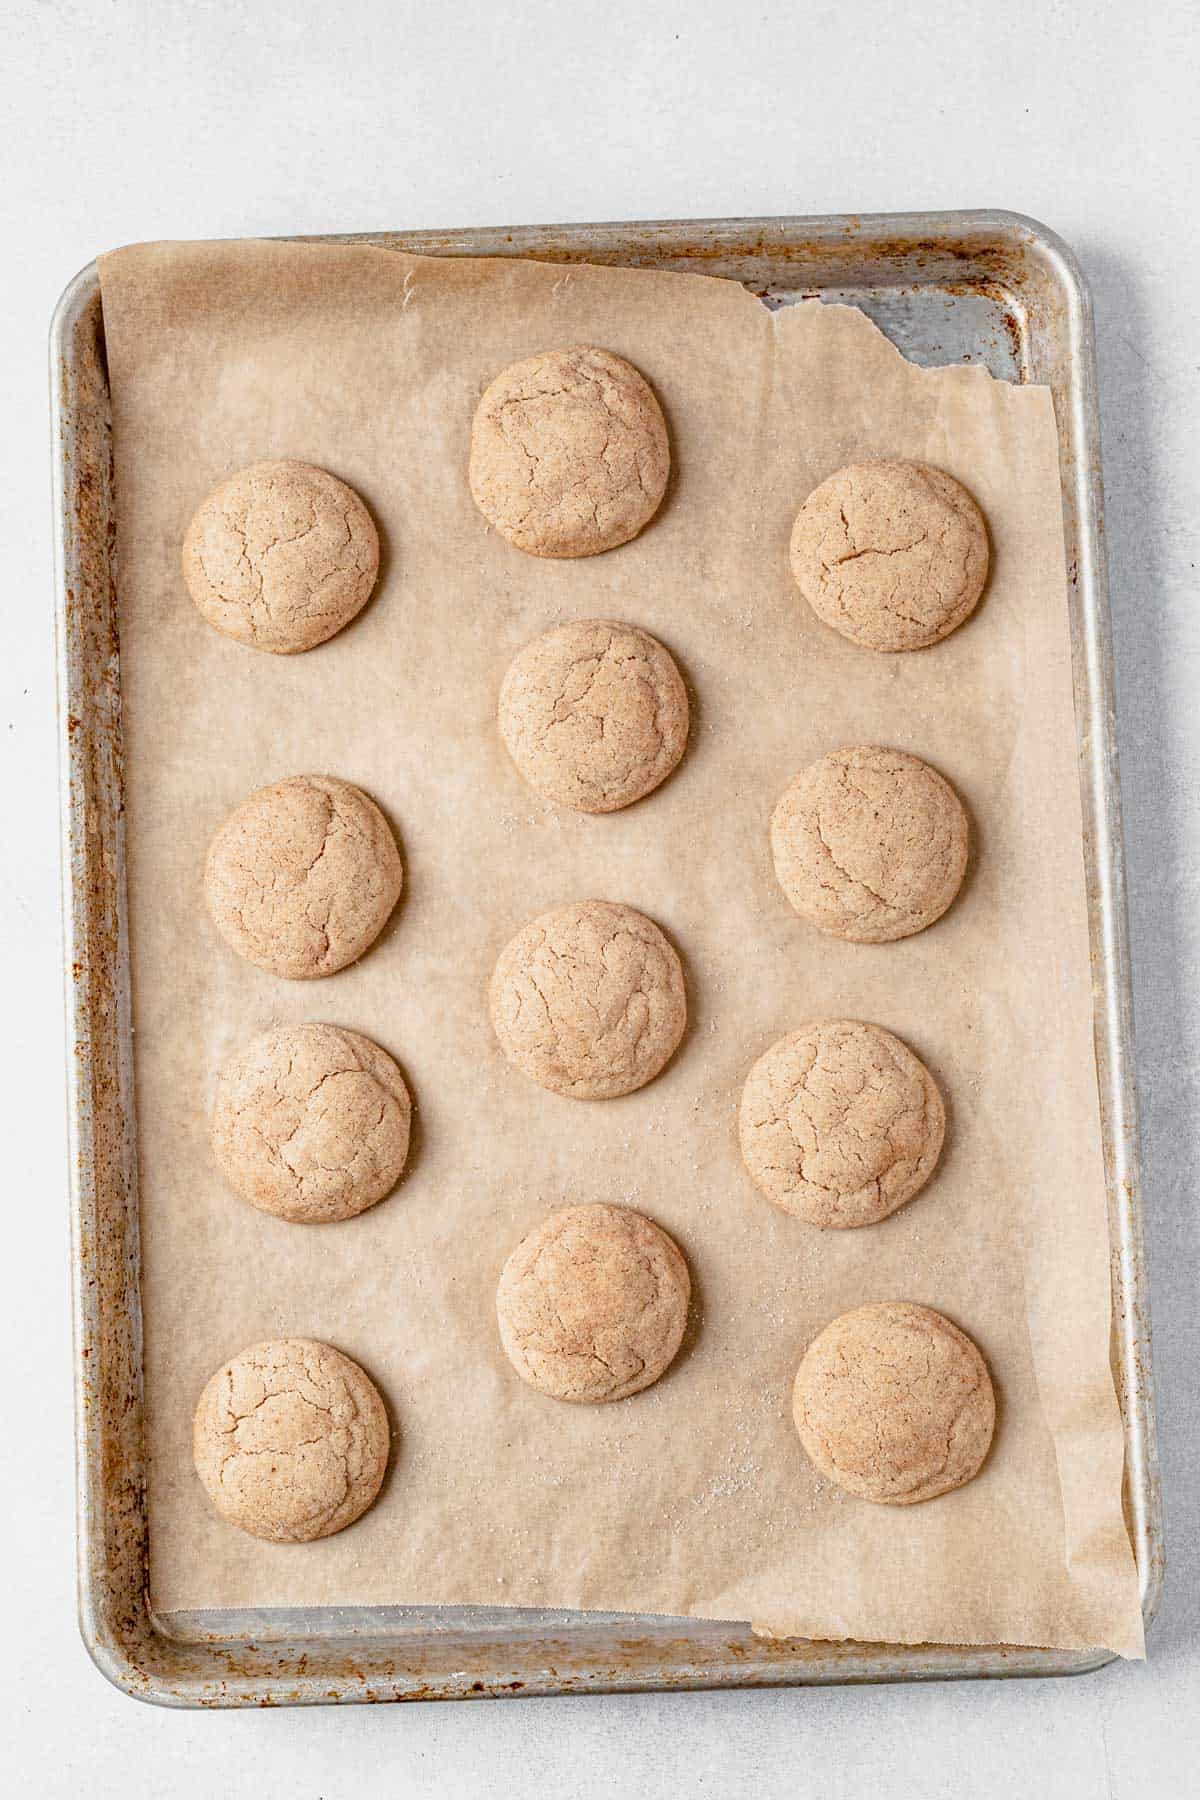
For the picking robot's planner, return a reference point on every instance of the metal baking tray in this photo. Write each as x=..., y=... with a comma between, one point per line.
x=987, y=287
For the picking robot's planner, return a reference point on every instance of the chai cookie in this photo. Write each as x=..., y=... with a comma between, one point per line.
x=280, y=556
x=301, y=878
x=894, y=555
x=592, y=1304
x=894, y=1403
x=870, y=844
x=594, y=714
x=840, y=1123
x=311, y=1123
x=589, y=1000
x=569, y=452
x=291, y=1441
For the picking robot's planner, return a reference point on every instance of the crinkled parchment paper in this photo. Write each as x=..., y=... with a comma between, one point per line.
x=693, y=1497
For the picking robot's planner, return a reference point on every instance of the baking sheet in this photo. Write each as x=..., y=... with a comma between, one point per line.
x=693, y=1497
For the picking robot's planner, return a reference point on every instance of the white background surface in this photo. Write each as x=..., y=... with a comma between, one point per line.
x=189, y=118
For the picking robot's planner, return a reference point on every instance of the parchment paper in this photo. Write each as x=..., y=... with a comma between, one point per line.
x=693, y=1498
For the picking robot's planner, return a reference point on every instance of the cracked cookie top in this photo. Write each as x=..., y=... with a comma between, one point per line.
x=302, y=877
x=311, y=1123
x=589, y=1000
x=569, y=453
x=280, y=556
x=894, y=555
x=592, y=1304
x=840, y=1123
x=894, y=1403
x=291, y=1441
x=870, y=844
x=594, y=714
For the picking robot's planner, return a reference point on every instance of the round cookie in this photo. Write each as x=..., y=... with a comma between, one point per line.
x=893, y=555
x=594, y=714
x=589, y=1000
x=870, y=844
x=569, y=452
x=592, y=1304
x=280, y=556
x=291, y=1441
x=894, y=1403
x=311, y=1123
x=840, y=1123
x=301, y=878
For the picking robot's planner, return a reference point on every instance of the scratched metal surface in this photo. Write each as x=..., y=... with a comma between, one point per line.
x=991, y=288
